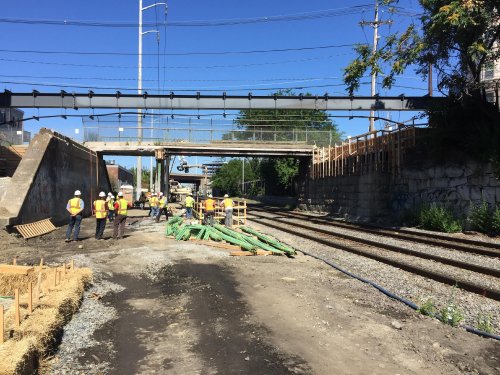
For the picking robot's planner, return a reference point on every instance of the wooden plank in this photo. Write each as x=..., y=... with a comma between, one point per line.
x=2, y=333
x=17, y=312
x=35, y=229
x=249, y=253
x=16, y=270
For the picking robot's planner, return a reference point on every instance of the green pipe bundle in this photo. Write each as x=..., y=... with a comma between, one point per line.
x=269, y=240
x=251, y=241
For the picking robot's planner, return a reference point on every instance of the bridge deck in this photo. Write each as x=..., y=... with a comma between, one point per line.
x=197, y=149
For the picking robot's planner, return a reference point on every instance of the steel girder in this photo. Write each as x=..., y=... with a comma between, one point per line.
x=173, y=101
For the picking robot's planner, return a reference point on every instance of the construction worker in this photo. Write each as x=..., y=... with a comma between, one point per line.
x=121, y=208
x=162, y=207
x=110, y=201
x=153, y=202
x=100, y=209
x=209, y=210
x=227, y=203
x=189, y=203
x=75, y=207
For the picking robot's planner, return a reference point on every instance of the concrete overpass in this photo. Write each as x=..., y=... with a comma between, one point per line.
x=218, y=148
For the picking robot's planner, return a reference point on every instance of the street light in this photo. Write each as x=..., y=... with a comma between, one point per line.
x=139, y=87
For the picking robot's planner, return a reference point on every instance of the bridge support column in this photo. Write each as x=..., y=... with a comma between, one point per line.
x=166, y=189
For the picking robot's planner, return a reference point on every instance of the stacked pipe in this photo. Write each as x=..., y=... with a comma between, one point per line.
x=251, y=240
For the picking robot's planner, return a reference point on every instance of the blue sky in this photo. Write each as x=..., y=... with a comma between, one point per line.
x=234, y=73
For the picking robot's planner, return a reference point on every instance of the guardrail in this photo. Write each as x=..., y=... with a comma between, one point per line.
x=207, y=135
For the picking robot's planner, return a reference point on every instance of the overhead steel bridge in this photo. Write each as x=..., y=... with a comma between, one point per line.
x=146, y=101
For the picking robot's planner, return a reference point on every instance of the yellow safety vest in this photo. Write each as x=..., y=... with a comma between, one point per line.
x=122, y=207
x=210, y=205
x=100, y=209
x=189, y=201
x=111, y=204
x=228, y=203
x=74, y=205
x=153, y=202
x=161, y=202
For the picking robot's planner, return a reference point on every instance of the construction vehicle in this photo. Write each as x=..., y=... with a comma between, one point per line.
x=178, y=192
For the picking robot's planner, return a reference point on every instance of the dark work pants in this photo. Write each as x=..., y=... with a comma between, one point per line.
x=74, y=221
x=100, y=225
x=160, y=211
x=111, y=215
x=209, y=217
x=119, y=226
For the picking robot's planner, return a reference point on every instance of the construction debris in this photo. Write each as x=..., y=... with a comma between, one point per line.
x=251, y=241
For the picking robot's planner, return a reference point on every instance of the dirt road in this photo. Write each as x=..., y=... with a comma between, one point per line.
x=164, y=307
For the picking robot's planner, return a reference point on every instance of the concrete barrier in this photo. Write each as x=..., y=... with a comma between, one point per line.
x=52, y=168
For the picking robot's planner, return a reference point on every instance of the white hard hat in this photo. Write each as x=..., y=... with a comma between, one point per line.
x=226, y=196
x=160, y=193
x=110, y=194
x=102, y=194
x=78, y=192
x=154, y=194
x=210, y=195
x=120, y=194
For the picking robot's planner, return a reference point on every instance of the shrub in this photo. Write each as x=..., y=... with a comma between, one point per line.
x=485, y=323
x=480, y=217
x=495, y=221
x=438, y=218
x=428, y=308
x=451, y=314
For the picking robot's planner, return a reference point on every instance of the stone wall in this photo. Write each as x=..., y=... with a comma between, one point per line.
x=53, y=167
x=383, y=197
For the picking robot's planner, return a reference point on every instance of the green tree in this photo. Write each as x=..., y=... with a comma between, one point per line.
x=228, y=178
x=458, y=37
x=285, y=125
x=310, y=126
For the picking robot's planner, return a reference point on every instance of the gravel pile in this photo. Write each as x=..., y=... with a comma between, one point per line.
x=415, y=288
x=92, y=315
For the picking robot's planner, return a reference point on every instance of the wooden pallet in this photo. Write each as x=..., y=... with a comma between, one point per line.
x=15, y=270
x=35, y=229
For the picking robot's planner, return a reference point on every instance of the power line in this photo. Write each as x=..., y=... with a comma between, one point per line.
x=152, y=89
x=181, y=53
x=296, y=79
x=197, y=23
x=180, y=67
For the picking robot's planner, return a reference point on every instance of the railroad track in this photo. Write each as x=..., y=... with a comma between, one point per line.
x=434, y=239
x=384, y=253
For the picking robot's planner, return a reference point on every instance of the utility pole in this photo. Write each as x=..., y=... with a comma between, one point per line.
x=139, y=89
x=375, y=24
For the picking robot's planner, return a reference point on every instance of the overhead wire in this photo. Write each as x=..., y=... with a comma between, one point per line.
x=182, y=67
x=313, y=15
x=192, y=53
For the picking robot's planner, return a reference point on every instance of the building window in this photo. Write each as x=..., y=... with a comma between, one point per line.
x=489, y=70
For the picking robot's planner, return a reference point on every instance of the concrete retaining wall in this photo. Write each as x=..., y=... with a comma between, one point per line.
x=382, y=197
x=53, y=167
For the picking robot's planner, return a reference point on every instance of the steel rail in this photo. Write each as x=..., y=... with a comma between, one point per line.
x=435, y=239
x=398, y=249
x=463, y=284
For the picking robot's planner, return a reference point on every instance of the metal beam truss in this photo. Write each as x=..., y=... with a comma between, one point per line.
x=173, y=101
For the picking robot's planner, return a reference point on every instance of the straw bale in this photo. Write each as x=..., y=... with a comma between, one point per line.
x=9, y=282
x=39, y=332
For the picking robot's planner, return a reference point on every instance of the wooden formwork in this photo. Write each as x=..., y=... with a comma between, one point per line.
x=380, y=151
x=239, y=211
